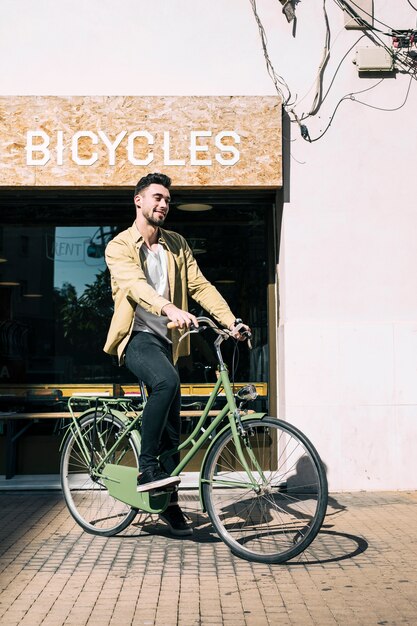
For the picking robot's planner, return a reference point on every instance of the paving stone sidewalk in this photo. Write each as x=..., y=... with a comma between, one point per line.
x=361, y=569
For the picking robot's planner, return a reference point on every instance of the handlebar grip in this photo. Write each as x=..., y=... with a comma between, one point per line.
x=172, y=325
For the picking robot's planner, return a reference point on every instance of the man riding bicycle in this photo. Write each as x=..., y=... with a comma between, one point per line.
x=152, y=273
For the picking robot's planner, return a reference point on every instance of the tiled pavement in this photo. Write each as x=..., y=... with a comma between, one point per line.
x=362, y=569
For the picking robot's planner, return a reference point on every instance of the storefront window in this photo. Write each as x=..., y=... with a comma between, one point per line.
x=55, y=296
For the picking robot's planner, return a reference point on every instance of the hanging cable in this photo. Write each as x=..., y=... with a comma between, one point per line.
x=372, y=106
x=412, y=5
x=303, y=128
x=351, y=96
x=278, y=81
x=339, y=66
x=314, y=82
x=299, y=120
x=325, y=58
x=347, y=6
x=402, y=62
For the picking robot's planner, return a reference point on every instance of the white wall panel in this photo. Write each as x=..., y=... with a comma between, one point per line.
x=348, y=335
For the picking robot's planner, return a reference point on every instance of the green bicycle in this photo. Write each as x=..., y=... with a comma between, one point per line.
x=261, y=481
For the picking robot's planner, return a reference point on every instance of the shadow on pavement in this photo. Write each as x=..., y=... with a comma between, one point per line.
x=28, y=511
x=328, y=547
x=331, y=546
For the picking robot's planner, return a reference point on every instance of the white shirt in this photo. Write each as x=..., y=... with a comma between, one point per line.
x=156, y=271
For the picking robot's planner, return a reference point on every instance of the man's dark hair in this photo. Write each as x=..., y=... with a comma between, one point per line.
x=155, y=178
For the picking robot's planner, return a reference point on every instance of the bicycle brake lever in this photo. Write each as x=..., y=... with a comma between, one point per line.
x=246, y=334
x=248, y=337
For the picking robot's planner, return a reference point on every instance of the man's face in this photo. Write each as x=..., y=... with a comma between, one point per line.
x=152, y=203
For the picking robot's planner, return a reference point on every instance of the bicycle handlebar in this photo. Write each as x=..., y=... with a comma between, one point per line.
x=207, y=322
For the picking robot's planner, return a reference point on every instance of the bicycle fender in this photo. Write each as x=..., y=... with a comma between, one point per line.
x=122, y=417
x=246, y=418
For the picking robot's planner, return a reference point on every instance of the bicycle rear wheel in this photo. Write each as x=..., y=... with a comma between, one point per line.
x=86, y=496
x=277, y=517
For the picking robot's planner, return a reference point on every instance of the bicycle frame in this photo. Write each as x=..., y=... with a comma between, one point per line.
x=234, y=418
x=121, y=480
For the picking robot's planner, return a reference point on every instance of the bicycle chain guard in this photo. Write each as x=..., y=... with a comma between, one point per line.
x=121, y=482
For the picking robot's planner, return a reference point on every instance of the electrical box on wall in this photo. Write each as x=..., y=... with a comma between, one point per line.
x=364, y=9
x=373, y=60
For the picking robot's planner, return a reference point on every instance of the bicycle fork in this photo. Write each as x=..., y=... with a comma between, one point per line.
x=242, y=442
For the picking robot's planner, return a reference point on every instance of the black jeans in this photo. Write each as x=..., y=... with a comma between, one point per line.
x=149, y=357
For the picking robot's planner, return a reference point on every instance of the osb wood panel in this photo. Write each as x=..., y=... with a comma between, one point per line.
x=257, y=121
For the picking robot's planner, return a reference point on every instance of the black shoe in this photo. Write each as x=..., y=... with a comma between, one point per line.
x=154, y=478
x=176, y=520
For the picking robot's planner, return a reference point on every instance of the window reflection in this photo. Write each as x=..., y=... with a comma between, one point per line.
x=56, y=305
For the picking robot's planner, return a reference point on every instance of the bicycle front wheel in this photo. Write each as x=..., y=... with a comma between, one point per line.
x=86, y=496
x=272, y=514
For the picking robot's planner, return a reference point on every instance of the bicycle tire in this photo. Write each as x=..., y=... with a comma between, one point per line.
x=88, y=499
x=278, y=519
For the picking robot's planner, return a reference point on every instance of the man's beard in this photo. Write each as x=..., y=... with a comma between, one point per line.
x=155, y=221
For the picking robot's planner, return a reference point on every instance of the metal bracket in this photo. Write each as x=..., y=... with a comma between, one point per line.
x=288, y=9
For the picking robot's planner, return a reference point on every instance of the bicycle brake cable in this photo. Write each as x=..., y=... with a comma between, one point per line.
x=235, y=365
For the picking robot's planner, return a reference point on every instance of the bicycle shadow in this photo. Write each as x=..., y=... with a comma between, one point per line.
x=331, y=547
x=328, y=546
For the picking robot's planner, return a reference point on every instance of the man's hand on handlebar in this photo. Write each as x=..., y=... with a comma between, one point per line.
x=240, y=331
x=180, y=318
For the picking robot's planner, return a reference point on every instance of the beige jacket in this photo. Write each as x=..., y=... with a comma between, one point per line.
x=129, y=288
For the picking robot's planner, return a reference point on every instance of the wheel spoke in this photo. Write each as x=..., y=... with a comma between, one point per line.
x=86, y=496
x=278, y=517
